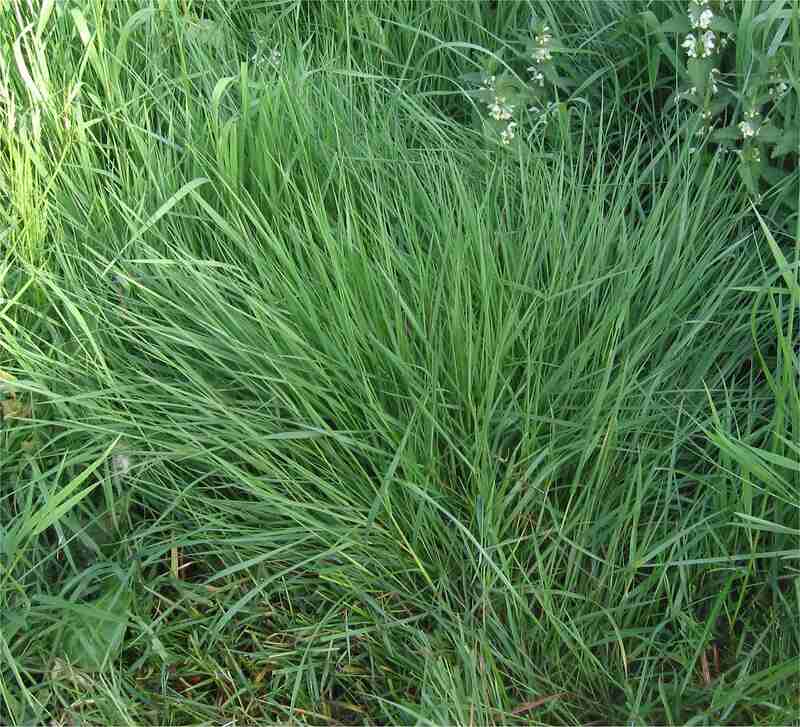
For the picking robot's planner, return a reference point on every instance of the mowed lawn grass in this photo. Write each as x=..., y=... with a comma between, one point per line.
x=320, y=408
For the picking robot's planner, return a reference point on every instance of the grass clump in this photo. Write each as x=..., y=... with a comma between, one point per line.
x=319, y=407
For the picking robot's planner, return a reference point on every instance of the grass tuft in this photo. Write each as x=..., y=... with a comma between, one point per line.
x=318, y=407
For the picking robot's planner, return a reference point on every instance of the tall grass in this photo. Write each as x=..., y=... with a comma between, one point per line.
x=324, y=410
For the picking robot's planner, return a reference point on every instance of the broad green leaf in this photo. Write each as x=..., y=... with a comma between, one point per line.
x=789, y=142
x=769, y=134
x=773, y=175
x=746, y=175
x=727, y=133
x=93, y=633
x=722, y=24
x=676, y=24
x=699, y=70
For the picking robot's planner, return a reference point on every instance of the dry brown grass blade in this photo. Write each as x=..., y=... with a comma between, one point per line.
x=704, y=669
x=529, y=706
x=710, y=669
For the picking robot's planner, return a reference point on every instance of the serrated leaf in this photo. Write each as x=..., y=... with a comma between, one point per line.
x=723, y=25
x=649, y=19
x=699, y=70
x=746, y=175
x=772, y=174
x=505, y=86
x=769, y=134
x=676, y=24
x=789, y=143
x=726, y=133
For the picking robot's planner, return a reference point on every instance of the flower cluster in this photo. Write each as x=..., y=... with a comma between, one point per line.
x=500, y=108
x=779, y=90
x=735, y=101
x=751, y=124
x=702, y=41
x=713, y=81
x=700, y=15
x=272, y=59
x=548, y=110
x=542, y=46
x=503, y=99
x=701, y=46
x=541, y=50
x=507, y=135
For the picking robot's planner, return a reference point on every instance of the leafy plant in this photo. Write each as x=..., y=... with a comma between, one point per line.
x=526, y=92
x=738, y=66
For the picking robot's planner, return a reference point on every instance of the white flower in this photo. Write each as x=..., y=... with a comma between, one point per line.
x=542, y=54
x=690, y=43
x=500, y=110
x=748, y=129
x=705, y=18
x=273, y=59
x=508, y=133
x=780, y=90
x=700, y=14
x=536, y=76
x=713, y=78
x=709, y=43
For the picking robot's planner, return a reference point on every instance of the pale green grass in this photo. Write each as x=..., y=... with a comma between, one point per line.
x=339, y=415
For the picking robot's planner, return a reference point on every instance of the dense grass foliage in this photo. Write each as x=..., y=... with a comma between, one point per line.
x=321, y=406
